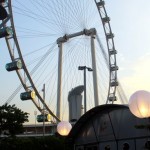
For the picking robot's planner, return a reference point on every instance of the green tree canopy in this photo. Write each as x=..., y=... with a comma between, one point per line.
x=12, y=119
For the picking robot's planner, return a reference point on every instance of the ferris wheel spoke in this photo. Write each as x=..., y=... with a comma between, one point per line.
x=84, y=33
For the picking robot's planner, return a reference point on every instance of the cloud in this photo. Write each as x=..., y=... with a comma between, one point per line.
x=139, y=78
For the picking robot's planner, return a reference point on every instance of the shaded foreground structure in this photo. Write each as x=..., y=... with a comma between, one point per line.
x=110, y=127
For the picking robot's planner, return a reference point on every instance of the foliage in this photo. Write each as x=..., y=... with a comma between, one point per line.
x=33, y=143
x=12, y=119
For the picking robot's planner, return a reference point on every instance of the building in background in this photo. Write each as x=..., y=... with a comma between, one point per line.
x=75, y=103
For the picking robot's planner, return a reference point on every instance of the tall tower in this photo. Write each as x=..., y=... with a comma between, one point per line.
x=75, y=103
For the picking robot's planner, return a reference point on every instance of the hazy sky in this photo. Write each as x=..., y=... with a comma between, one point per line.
x=130, y=22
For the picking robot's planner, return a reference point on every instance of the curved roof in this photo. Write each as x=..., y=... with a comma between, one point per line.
x=110, y=126
x=108, y=122
x=92, y=112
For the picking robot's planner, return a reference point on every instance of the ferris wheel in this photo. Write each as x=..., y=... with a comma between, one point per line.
x=49, y=40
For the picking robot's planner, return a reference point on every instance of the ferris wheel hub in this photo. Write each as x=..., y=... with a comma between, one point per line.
x=87, y=32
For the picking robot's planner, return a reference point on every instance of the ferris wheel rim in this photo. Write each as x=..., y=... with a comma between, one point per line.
x=114, y=72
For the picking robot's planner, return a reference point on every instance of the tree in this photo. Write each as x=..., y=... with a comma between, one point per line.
x=12, y=119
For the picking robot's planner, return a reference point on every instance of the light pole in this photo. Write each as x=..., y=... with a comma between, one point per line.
x=43, y=110
x=84, y=69
x=35, y=114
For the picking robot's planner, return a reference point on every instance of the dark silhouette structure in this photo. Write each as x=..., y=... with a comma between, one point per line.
x=110, y=127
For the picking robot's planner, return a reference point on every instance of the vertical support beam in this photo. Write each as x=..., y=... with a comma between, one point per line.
x=94, y=70
x=43, y=110
x=35, y=114
x=85, y=90
x=59, y=86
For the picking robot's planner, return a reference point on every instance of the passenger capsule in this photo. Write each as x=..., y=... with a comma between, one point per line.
x=45, y=118
x=114, y=83
x=27, y=95
x=110, y=35
x=101, y=3
x=3, y=13
x=7, y=31
x=114, y=68
x=2, y=1
x=15, y=65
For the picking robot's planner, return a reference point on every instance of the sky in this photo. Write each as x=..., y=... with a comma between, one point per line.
x=130, y=24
